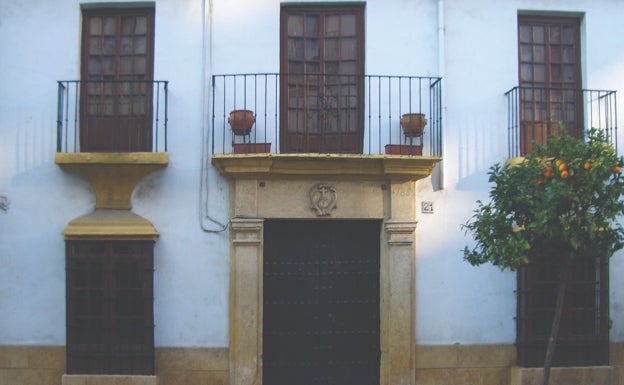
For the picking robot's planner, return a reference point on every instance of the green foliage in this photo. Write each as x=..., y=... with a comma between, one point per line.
x=565, y=196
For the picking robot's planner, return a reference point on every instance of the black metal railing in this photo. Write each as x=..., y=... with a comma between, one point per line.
x=112, y=116
x=535, y=113
x=323, y=113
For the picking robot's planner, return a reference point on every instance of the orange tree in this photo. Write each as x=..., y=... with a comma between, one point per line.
x=566, y=196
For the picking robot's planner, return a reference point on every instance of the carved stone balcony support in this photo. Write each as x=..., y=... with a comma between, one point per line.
x=113, y=178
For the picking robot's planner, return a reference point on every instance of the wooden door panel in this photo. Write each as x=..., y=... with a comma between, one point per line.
x=105, y=134
x=321, y=303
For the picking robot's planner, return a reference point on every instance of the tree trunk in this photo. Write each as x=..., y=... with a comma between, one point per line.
x=554, y=331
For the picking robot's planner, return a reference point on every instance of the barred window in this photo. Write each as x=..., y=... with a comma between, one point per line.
x=110, y=327
x=583, y=338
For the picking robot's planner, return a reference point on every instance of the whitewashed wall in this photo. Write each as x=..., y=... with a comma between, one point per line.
x=41, y=44
x=474, y=50
x=458, y=303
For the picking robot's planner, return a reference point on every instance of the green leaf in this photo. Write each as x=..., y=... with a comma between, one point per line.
x=538, y=202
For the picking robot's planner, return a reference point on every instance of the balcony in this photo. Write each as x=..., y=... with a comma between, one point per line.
x=326, y=114
x=112, y=133
x=112, y=116
x=535, y=113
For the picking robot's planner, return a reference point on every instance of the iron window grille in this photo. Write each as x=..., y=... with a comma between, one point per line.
x=110, y=326
x=583, y=338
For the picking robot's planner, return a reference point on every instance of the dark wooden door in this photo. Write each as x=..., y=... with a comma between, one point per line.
x=321, y=303
x=322, y=87
x=116, y=83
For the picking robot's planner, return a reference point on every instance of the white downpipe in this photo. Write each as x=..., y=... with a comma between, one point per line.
x=207, y=222
x=441, y=73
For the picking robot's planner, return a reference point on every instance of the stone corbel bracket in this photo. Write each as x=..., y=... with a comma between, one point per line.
x=113, y=176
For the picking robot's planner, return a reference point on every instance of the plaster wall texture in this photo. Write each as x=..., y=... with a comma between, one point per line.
x=41, y=41
x=474, y=51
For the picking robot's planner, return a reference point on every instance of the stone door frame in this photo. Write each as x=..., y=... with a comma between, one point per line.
x=364, y=188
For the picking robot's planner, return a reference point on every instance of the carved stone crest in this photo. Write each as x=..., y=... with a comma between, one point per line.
x=323, y=198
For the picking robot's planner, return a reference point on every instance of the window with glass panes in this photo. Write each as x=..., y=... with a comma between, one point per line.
x=322, y=83
x=116, y=79
x=549, y=78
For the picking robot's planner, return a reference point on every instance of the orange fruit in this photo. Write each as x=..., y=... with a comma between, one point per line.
x=587, y=166
x=563, y=167
x=564, y=174
x=548, y=174
x=617, y=169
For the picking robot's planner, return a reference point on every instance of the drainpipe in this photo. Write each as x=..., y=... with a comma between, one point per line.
x=441, y=73
x=206, y=221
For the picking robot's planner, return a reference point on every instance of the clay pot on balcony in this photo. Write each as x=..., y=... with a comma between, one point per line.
x=241, y=121
x=413, y=124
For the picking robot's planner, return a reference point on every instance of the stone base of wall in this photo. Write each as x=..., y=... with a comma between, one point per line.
x=38, y=365
x=495, y=365
x=30, y=365
x=464, y=364
x=187, y=366
x=591, y=375
x=448, y=365
x=616, y=356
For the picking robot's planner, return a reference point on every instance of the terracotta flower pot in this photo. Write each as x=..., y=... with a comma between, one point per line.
x=413, y=124
x=241, y=121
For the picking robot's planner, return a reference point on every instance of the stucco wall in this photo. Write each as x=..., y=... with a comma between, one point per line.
x=455, y=303
x=481, y=64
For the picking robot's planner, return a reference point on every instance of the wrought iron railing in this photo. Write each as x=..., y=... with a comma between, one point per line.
x=322, y=113
x=112, y=116
x=535, y=113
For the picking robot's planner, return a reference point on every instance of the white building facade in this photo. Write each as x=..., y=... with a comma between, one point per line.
x=144, y=239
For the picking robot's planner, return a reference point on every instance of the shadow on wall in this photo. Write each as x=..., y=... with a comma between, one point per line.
x=480, y=142
x=35, y=143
